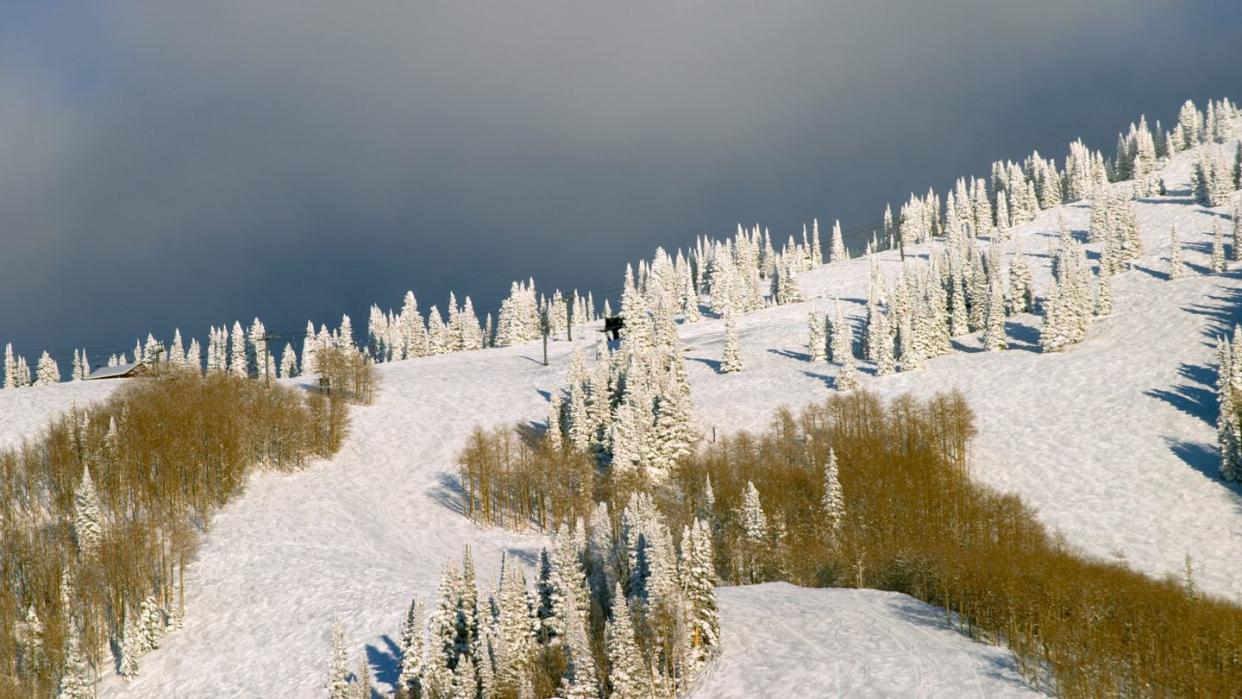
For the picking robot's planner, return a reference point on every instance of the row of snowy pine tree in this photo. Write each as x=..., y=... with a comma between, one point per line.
x=618, y=609
x=734, y=273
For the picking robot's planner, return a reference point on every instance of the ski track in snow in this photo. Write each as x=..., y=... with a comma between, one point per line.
x=1112, y=442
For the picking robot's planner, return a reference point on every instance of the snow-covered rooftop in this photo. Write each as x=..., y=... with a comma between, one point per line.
x=117, y=371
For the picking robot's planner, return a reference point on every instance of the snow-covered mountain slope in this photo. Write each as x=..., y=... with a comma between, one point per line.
x=787, y=641
x=1111, y=442
x=24, y=412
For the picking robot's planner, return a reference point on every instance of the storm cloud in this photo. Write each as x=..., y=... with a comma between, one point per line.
x=182, y=164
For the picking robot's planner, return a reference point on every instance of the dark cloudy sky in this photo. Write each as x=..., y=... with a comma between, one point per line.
x=183, y=164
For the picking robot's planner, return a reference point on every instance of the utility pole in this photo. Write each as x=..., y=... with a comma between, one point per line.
x=266, y=339
x=157, y=351
x=544, y=323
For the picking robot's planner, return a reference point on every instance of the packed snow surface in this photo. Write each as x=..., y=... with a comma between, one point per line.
x=785, y=641
x=25, y=412
x=1112, y=442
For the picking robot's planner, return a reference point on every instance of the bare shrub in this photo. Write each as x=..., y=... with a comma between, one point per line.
x=915, y=523
x=183, y=446
x=349, y=374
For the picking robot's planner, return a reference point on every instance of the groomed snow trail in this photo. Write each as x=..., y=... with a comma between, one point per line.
x=25, y=412
x=1112, y=442
x=353, y=538
x=787, y=641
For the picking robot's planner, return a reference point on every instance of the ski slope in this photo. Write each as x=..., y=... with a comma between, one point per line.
x=25, y=412
x=1112, y=442
x=787, y=641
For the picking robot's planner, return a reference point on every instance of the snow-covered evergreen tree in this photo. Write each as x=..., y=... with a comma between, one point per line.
x=437, y=333
x=1235, y=252
x=847, y=376
x=837, y=252
x=288, y=362
x=10, y=367
x=959, y=323
x=46, y=372
x=131, y=645
x=176, y=354
x=193, y=356
x=78, y=680
x=1237, y=167
x=994, y=330
x=256, y=339
x=87, y=516
x=1218, y=264
x=629, y=676
x=338, y=672
x=1103, y=296
x=1228, y=428
x=151, y=624
x=360, y=688
x=732, y=359
x=1189, y=126
x=238, y=365
x=1068, y=309
x=834, y=498
x=1211, y=181
x=754, y=521
x=23, y=372
x=465, y=683
x=698, y=585
x=410, y=677
x=310, y=351
x=1177, y=267
x=1021, y=293
x=345, y=335
x=879, y=332
x=515, y=633
x=816, y=343
x=754, y=530
x=840, y=336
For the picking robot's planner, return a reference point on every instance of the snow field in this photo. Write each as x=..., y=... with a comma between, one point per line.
x=1111, y=441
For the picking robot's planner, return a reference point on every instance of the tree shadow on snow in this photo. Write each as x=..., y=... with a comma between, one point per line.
x=827, y=380
x=1022, y=336
x=448, y=492
x=1000, y=661
x=959, y=346
x=528, y=557
x=385, y=663
x=1192, y=400
x=1174, y=196
x=714, y=364
x=1204, y=458
x=1198, y=373
x=800, y=356
x=1223, y=308
x=1162, y=276
x=1222, y=215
